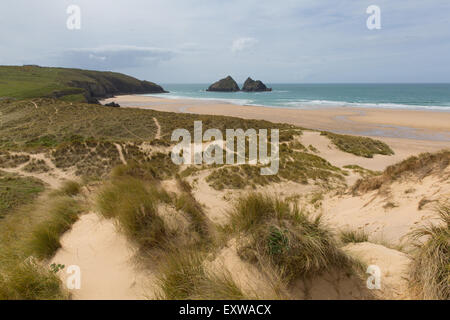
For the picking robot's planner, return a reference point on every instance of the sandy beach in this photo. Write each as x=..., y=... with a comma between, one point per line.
x=392, y=123
x=409, y=132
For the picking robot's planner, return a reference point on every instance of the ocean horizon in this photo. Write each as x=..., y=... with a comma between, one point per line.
x=426, y=96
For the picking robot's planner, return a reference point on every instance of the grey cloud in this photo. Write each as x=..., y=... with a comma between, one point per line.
x=111, y=57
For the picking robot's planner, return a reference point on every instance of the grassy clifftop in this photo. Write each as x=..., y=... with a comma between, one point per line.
x=24, y=82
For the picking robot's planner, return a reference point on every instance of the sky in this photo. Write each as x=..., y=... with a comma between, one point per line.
x=201, y=41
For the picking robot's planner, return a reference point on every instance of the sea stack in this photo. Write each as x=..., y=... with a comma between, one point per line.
x=224, y=85
x=251, y=85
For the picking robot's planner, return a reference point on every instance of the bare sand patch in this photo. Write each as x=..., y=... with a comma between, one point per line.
x=105, y=257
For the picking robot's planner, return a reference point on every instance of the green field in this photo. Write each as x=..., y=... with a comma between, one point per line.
x=23, y=82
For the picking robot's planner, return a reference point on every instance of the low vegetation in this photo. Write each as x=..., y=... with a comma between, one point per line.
x=28, y=240
x=134, y=205
x=362, y=171
x=359, y=146
x=36, y=166
x=298, y=245
x=62, y=214
x=16, y=191
x=31, y=81
x=184, y=276
x=352, y=236
x=300, y=167
x=430, y=267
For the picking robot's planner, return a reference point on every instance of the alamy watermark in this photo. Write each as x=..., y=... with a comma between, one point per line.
x=374, y=20
x=195, y=152
x=74, y=20
x=374, y=280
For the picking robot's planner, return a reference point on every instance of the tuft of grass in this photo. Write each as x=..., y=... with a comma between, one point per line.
x=63, y=212
x=284, y=236
x=134, y=205
x=352, y=236
x=183, y=276
x=430, y=267
x=188, y=204
x=359, y=146
x=30, y=281
x=70, y=188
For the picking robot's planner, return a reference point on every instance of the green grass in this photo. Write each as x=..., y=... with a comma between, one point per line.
x=430, y=267
x=16, y=191
x=70, y=188
x=183, y=276
x=24, y=82
x=134, y=205
x=30, y=281
x=359, y=146
x=62, y=214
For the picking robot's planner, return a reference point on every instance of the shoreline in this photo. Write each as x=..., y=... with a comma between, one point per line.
x=425, y=125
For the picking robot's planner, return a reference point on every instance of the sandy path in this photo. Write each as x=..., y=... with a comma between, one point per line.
x=119, y=149
x=54, y=178
x=158, y=131
x=105, y=258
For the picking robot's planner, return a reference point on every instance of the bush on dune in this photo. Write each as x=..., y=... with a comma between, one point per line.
x=134, y=205
x=286, y=237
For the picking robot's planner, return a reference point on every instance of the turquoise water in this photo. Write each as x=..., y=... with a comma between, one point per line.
x=396, y=96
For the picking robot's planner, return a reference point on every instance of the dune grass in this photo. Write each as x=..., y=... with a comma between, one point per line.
x=28, y=237
x=184, y=276
x=359, y=146
x=134, y=205
x=353, y=236
x=16, y=191
x=430, y=267
x=70, y=84
x=297, y=244
x=27, y=280
x=296, y=166
x=70, y=188
x=420, y=166
x=62, y=214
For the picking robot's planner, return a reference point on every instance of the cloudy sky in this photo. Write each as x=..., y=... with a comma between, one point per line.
x=199, y=41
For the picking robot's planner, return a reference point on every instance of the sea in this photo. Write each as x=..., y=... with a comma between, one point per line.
x=393, y=96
